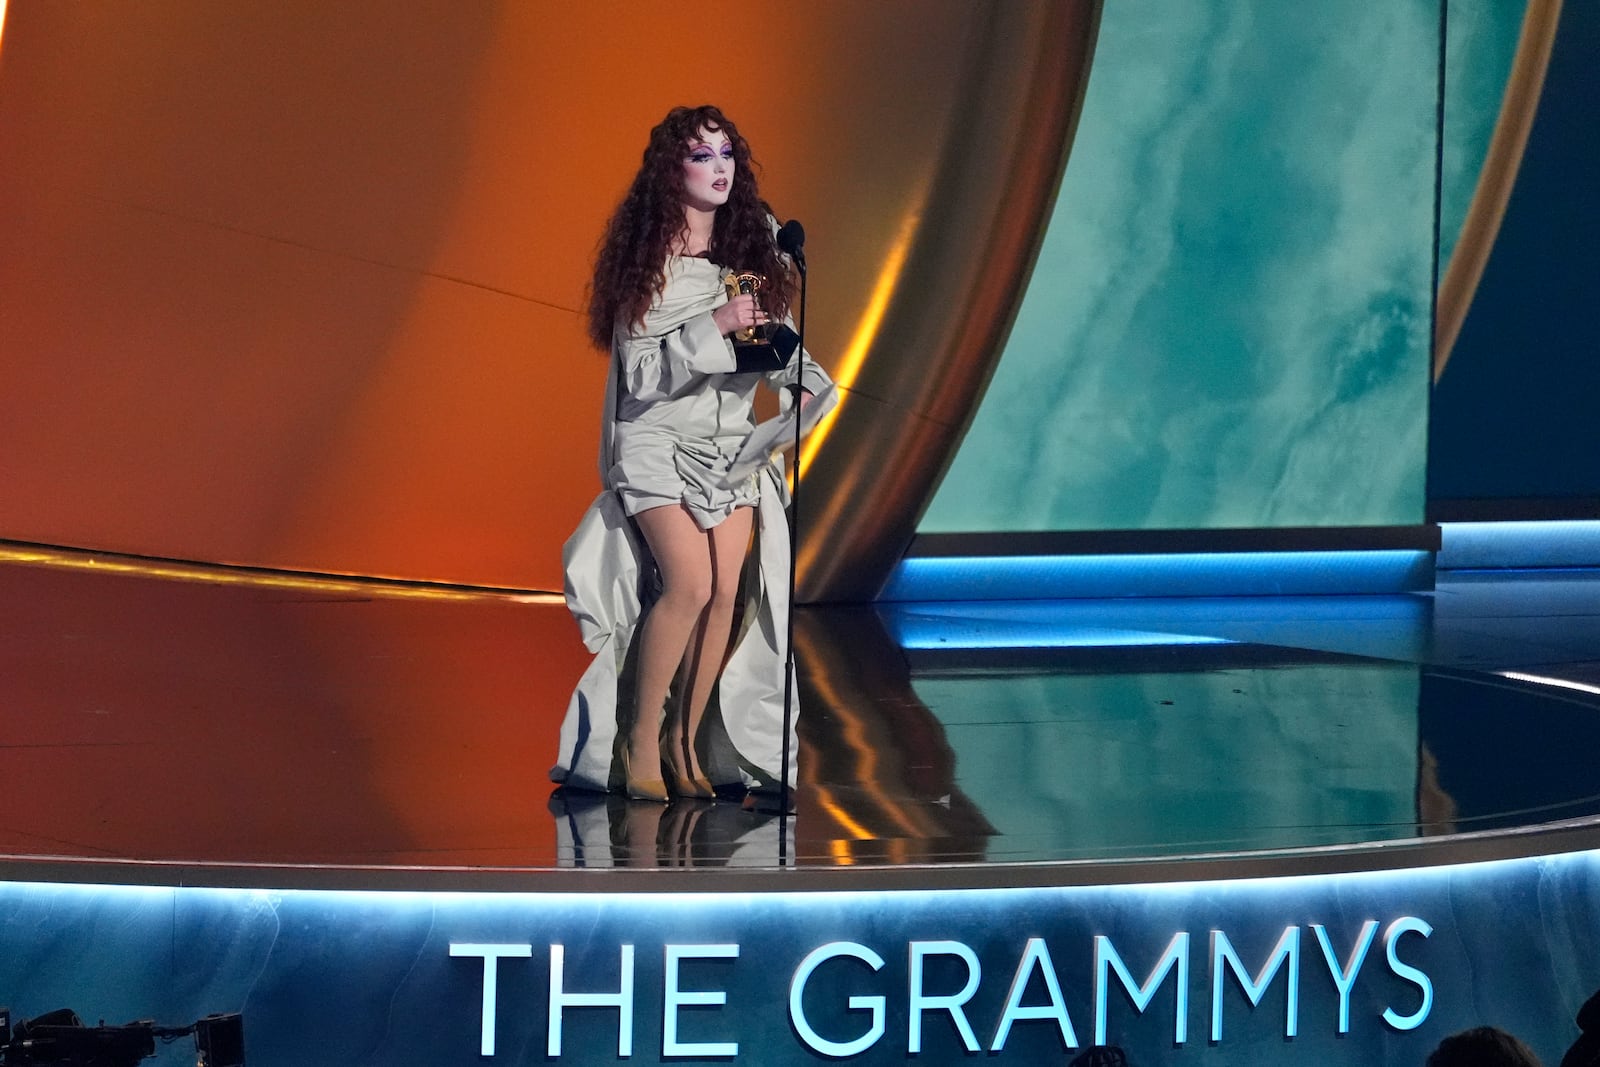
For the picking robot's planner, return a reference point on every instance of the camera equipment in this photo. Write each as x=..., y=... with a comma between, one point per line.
x=59, y=1037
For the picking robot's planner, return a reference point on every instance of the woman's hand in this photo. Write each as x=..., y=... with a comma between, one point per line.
x=740, y=313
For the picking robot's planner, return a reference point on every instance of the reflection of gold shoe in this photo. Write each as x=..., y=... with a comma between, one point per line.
x=684, y=821
x=642, y=788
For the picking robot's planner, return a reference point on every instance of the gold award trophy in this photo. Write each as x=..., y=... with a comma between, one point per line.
x=759, y=348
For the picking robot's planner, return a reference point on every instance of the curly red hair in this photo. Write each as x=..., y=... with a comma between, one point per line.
x=630, y=267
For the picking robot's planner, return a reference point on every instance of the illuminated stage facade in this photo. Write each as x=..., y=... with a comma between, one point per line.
x=1346, y=968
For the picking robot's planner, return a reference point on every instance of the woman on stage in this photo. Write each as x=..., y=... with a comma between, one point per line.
x=675, y=701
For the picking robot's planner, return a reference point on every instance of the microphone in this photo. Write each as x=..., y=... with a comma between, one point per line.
x=792, y=241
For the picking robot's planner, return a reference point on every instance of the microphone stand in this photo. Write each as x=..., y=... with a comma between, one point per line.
x=794, y=556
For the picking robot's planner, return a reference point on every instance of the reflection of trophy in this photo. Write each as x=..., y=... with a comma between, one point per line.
x=759, y=348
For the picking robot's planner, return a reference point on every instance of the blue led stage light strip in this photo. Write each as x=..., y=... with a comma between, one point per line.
x=1186, y=574
x=931, y=632
x=1382, y=623
x=1500, y=545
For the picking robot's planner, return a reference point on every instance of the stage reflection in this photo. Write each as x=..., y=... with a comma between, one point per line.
x=1107, y=749
x=171, y=716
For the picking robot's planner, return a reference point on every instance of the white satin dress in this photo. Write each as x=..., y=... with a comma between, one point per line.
x=675, y=416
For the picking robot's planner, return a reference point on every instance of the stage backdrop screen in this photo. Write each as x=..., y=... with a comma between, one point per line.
x=1228, y=322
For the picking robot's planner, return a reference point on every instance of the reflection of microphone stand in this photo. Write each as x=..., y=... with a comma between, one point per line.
x=792, y=240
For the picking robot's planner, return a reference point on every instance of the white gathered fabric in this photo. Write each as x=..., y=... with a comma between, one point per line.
x=670, y=386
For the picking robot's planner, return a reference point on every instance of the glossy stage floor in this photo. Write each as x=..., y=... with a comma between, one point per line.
x=209, y=725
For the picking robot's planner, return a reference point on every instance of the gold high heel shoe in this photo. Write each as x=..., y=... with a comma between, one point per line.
x=697, y=786
x=642, y=788
x=686, y=785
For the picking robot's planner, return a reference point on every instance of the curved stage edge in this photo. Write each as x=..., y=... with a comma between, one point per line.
x=1532, y=843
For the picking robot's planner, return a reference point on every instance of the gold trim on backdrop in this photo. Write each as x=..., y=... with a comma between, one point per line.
x=1498, y=176
x=946, y=296
x=221, y=574
x=848, y=368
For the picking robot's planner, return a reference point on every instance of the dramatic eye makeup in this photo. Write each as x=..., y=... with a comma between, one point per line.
x=703, y=152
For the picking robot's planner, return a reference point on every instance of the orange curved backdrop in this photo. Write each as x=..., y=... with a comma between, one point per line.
x=297, y=285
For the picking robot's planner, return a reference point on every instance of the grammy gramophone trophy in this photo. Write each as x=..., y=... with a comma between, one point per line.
x=759, y=348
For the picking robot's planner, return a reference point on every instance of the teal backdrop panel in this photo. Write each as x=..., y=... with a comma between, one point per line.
x=1228, y=323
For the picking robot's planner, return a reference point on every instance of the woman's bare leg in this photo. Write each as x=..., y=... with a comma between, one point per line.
x=682, y=552
x=708, y=645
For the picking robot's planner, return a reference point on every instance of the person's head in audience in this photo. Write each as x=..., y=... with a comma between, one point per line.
x=1482, y=1046
x=1585, y=1052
